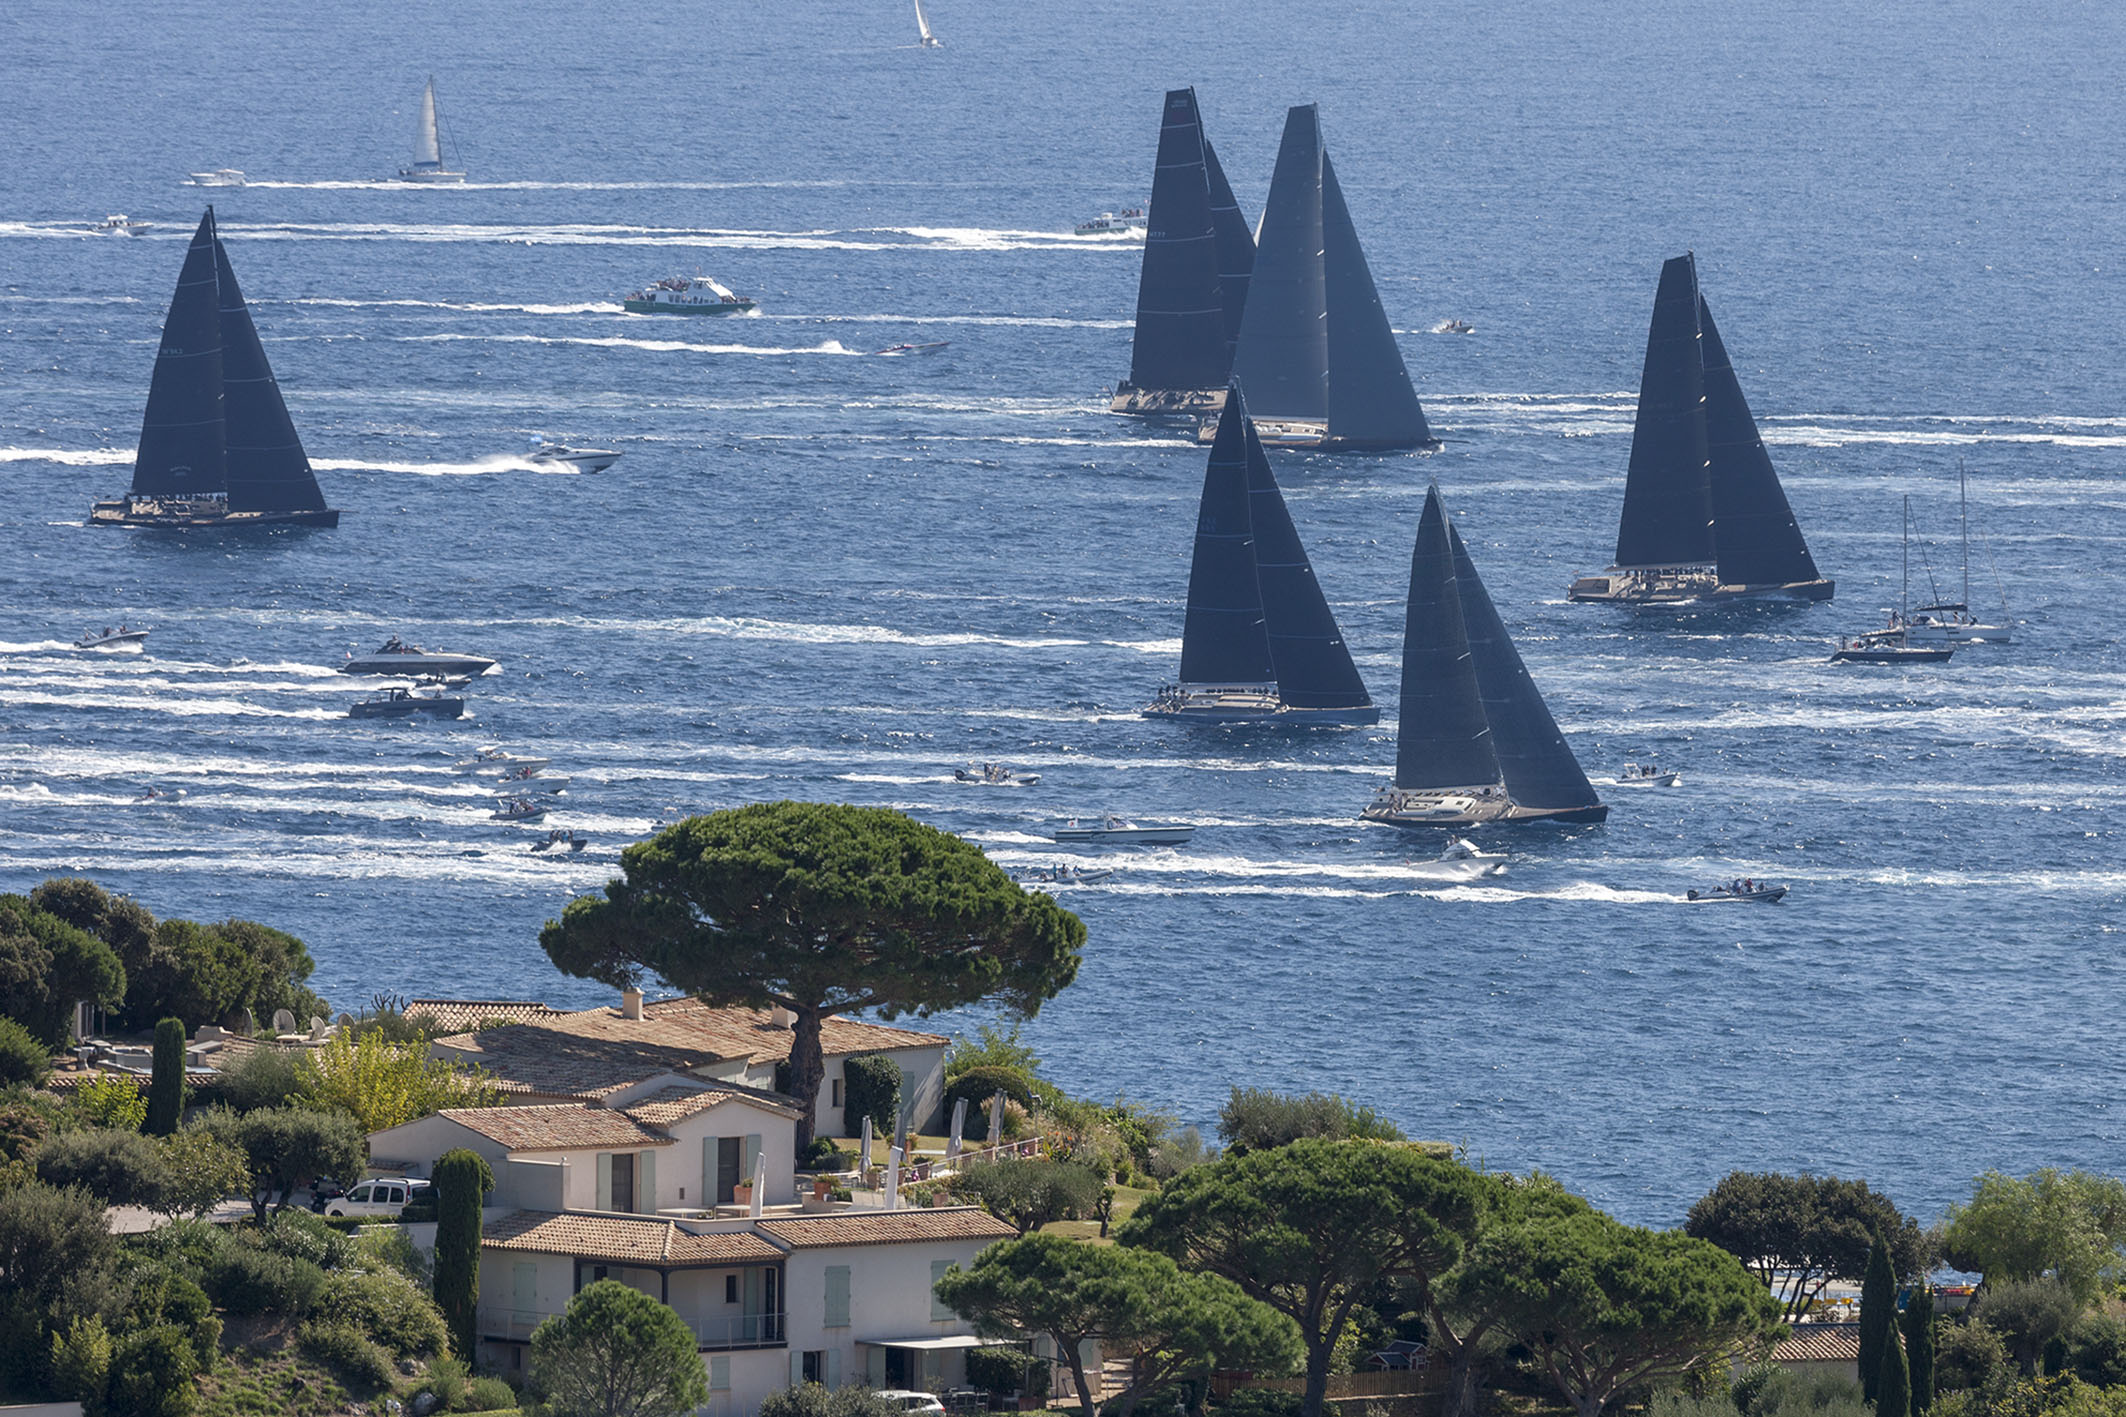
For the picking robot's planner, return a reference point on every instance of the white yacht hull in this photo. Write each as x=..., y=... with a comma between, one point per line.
x=416, y=666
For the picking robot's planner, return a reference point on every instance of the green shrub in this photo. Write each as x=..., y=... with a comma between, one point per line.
x=813, y=1400
x=342, y=1348
x=489, y=1395
x=388, y=1310
x=1028, y=1194
x=978, y=1085
x=2094, y=1350
x=23, y=1128
x=392, y=1247
x=166, y=1088
x=264, y=1077
x=991, y=1048
x=151, y=1374
x=871, y=1087
x=823, y=1155
x=81, y=1362
x=1256, y=1119
x=1786, y=1394
x=302, y=1236
x=247, y=1280
x=1259, y=1402
x=24, y=1062
x=110, y=1100
x=118, y=1168
x=445, y=1382
x=1003, y=1370
x=189, y=1247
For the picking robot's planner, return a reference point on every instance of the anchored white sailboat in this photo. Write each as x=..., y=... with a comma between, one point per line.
x=428, y=144
x=1954, y=622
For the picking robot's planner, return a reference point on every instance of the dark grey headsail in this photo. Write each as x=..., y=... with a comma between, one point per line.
x=1181, y=333
x=1755, y=536
x=1283, y=357
x=1236, y=248
x=268, y=471
x=1442, y=738
x=181, y=437
x=1668, y=509
x=1539, y=768
x=1314, y=668
x=1223, y=640
x=1372, y=403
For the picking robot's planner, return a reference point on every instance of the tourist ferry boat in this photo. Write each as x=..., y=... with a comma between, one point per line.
x=683, y=295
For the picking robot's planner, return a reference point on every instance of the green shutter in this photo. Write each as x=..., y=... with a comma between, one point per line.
x=834, y=1367
x=605, y=1181
x=797, y=1367
x=940, y=1311
x=720, y=1373
x=646, y=1182
x=876, y=1367
x=837, y=1296
x=524, y=1289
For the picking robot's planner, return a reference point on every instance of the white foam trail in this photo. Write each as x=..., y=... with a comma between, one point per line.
x=70, y=457
x=936, y=238
x=661, y=346
x=584, y=307
x=501, y=462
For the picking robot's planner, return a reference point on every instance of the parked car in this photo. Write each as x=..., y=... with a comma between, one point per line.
x=924, y=1404
x=377, y=1197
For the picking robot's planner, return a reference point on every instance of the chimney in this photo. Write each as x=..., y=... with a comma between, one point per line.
x=781, y=1017
x=631, y=1004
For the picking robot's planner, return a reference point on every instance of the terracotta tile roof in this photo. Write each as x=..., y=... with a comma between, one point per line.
x=1819, y=1343
x=887, y=1227
x=457, y=1015
x=544, y=1062
x=677, y=1102
x=571, y=1126
x=751, y=1033
x=621, y=1240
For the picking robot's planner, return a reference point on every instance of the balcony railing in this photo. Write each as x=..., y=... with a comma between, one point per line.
x=741, y=1331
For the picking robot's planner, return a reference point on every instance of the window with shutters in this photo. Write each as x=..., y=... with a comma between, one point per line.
x=940, y=1311
x=837, y=1316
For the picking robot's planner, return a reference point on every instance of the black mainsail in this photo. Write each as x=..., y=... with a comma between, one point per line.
x=1704, y=515
x=1474, y=741
x=1260, y=641
x=1186, y=320
x=1316, y=351
x=217, y=447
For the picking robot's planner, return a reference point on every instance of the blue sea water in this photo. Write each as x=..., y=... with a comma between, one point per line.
x=821, y=573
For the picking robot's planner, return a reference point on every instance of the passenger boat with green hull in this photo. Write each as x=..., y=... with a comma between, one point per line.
x=1260, y=643
x=1475, y=743
x=217, y=447
x=687, y=295
x=1705, y=518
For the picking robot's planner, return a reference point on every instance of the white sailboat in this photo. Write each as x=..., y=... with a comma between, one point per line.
x=1954, y=622
x=930, y=41
x=428, y=144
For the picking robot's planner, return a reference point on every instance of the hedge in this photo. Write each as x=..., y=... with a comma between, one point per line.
x=871, y=1087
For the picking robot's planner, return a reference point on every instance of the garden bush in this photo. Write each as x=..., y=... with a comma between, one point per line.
x=342, y=1348
x=118, y=1168
x=1259, y=1402
x=300, y=1235
x=978, y=1085
x=24, y=1062
x=392, y=1247
x=247, y=1280
x=151, y=1374
x=388, y=1309
x=824, y=1155
x=1968, y=1356
x=871, y=1087
x=109, y=1100
x=445, y=1382
x=2094, y=1350
x=1002, y=1370
x=264, y=1077
x=489, y=1395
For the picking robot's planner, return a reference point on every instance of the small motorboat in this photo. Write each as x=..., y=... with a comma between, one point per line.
x=516, y=809
x=219, y=177
x=395, y=656
x=1748, y=892
x=995, y=775
x=1454, y=327
x=526, y=778
x=1644, y=775
x=119, y=224
x=1889, y=651
x=545, y=454
x=157, y=794
x=562, y=839
x=1112, y=223
x=1463, y=860
x=491, y=757
x=405, y=703
x=1060, y=875
x=124, y=637
x=1120, y=831
x=931, y=348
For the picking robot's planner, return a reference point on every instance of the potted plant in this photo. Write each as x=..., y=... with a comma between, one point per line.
x=742, y=1193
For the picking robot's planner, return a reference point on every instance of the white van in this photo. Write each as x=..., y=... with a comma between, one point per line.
x=376, y=1197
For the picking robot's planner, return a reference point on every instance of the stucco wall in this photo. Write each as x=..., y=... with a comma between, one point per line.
x=889, y=1297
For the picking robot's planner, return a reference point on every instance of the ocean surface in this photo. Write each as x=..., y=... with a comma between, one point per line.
x=821, y=573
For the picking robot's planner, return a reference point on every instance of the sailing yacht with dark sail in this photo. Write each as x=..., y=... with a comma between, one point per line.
x=1705, y=518
x=1198, y=254
x=217, y=447
x=428, y=144
x=1475, y=741
x=1315, y=351
x=1260, y=643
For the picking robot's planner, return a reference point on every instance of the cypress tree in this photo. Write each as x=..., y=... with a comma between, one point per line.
x=166, y=1085
x=462, y=1180
x=1919, y=1347
x=1878, y=1312
x=1893, y=1385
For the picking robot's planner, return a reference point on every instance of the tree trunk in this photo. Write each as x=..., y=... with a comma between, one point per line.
x=1317, y=1390
x=1077, y=1374
x=808, y=1069
x=1461, y=1383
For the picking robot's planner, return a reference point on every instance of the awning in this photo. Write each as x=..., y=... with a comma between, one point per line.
x=958, y=1340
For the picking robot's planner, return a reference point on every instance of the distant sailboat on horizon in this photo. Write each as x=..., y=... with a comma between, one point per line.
x=1260, y=643
x=1193, y=286
x=1705, y=518
x=922, y=25
x=1474, y=742
x=217, y=447
x=428, y=144
x=1316, y=352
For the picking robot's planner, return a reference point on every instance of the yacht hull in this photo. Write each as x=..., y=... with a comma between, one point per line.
x=414, y=666
x=1620, y=589
x=1278, y=714
x=1154, y=403
x=123, y=514
x=1453, y=816
x=675, y=307
x=1316, y=437
x=431, y=177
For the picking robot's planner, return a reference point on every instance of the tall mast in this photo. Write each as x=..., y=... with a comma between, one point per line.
x=1963, y=515
x=1904, y=597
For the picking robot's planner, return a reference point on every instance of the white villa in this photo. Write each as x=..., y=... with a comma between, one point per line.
x=642, y=1183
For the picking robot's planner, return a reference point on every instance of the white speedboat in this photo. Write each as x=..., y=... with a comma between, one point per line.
x=1120, y=831
x=1746, y=892
x=119, y=224
x=1112, y=223
x=490, y=759
x=1454, y=327
x=1643, y=775
x=995, y=775
x=124, y=637
x=219, y=177
x=397, y=657
x=561, y=455
x=1463, y=860
x=525, y=778
x=1060, y=875
x=516, y=809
